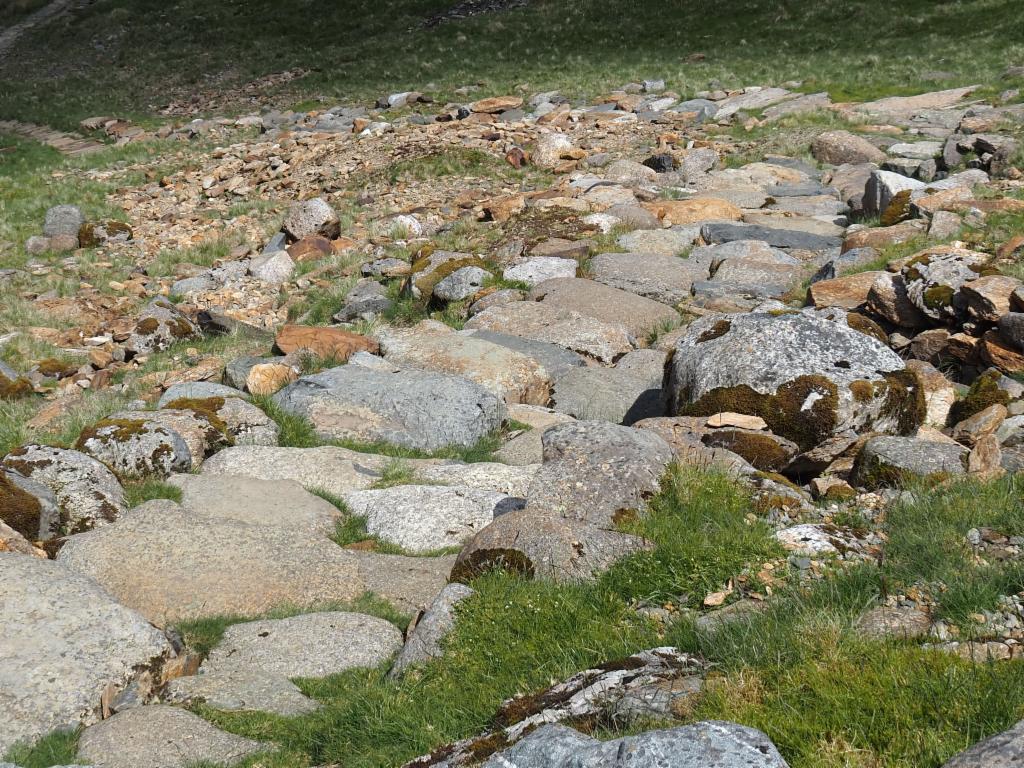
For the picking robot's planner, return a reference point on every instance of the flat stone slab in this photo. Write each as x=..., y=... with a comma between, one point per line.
x=424, y=518
x=307, y=645
x=63, y=641
x=170, y=565
x=556, y=360
x=159, y=736
x=777, y=238
x=667, y=279
x=410, y=408
x=282, y=503
x=605, y=304
x=241, y=691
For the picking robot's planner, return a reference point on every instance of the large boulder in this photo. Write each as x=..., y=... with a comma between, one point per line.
x=639, y=315
x=1004, y=750
x=541, y=545
x=410, y=408
x=159, y=736
x=608, y=394
x=160, y=325
x=423, y=518
x=433, y=346
x=808, y=374
x=170, y=564
x=664, y=278
x=710, y=744
x=598, y=472
x=936, y=276
x=136, y=447
x=66, y=642
x=892, y=461
x=28, y=508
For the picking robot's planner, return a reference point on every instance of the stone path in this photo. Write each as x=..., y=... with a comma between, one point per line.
x=67, y=143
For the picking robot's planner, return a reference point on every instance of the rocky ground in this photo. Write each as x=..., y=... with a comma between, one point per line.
x=384, y=350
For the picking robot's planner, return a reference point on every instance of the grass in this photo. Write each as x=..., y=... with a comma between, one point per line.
x=141, y=491
x=57, y=748
x=360, y=50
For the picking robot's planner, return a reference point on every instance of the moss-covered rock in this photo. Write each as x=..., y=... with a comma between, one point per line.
x=136, y=447
x=984, y=393
x=160, y=325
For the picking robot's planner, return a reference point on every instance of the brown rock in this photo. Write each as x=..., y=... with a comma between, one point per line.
x=739, y=420
x=310, y=248
x=268, y=378
x=501, y=209
x=944, y=200
x=997, y=351
x=496, y=104
x=12, y=541
x=849, y=292
x=986, y=422
x=965, y=348
x=985, y=459
x=888, y=298
x=328, y=343
x=842, y=147
x=939, y=394
x=694, y=211
x=1012, y=248
x=930, y=345
x=988, y=298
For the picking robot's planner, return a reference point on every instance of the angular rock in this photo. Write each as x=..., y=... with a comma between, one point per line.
x=87, y=492
x=136, y=447
x=848, y=292
x=275, y=268
x=160, y=325
x=433, y=346
x=240, y=691
x=415, y=409
x=556, y=360
x=807, y=374
x=200, y=430
x=765, y=451
x=541, y=268
x=198, y=390
x=461, y=284
x=65, y=642
x=891, y=461
x=638, y=315
x=327, y=343
x=696, y=211
x=843, y=147
x=935, y=276
x=426, y=518
x=614, y=395
x=159, y=736
x=547, y=322
x=423, y=641
x=663, y=278
x=666, y=242
x=312, y=217
x=988, y=298
x=63, y=220
x=366, y=300
x=777, y=238
x=598, y=472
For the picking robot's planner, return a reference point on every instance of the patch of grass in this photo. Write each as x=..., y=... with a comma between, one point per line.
x=141, y=491
x=791, y=136
x=56, y=748
x=397, y=472
x=352, y=530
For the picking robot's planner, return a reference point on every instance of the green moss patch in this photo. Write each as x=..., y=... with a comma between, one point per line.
x=18, y=509
x=984, y=393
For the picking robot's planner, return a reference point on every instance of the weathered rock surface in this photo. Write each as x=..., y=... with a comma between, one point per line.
x=160, y=325
x=170, y=564
x=614, y=395
x=312, y=217
x=411, y=408
x=423, y=641
x=136, y=447
x=664, y=278
x=159, y=736
x=895, y=460
x=637, y=314
x=240, y=691
x=806, y=375
x=64, y=640
x=1004, y=750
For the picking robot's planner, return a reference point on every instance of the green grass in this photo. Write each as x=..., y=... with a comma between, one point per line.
x=155, y=51
x=57, y=748
x=141, y=491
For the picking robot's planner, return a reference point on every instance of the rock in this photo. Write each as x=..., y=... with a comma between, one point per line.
x=939, y=394
x=765, y=451
x=629, y=173
x=885, y=622
x=638, y=315
x=63, y=220
x=885, y=187
x=934, y=278
x=240, y=691
x=666, y=242
x=433, y=346
x=160, y=325
x=136, y=447
x=843, y=147
x=198, y=390
x=667, y=279
x=809, y=377
x=461, y=284
x=547, y=322
x=496, y=104
x=161, y=737
x=269, y=377
x=306, y=645
x=526, y=448
x=605, y=394
x=749, y=267
x=275, y=268
x=557, y=361
x=66, y=642
x=1004, y=750
x=366, y=300
x=598, y=472
x=551, y=149
x=714, y=233
x=705, y=744
x=16, y=543
x=983, y=423
x=334, y=344
x=241, y=421
x=541, y=268
x=696, y=211
x=1011, y=328
x=539, y=545
x=496, y=299
x=423, y=641
x=848, y=292
x=998, y=352
x=200, y=430
x=415, y=409
x=312, y=217
x=880, y=237
x=171, y=565
x=988, y=298
x=888, y=299
x=86, y=491
x=888, y=461
x=281, y=503
x=100, y=233
x=426, y=518
x=986, y=458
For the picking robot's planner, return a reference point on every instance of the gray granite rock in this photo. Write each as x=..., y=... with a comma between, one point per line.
x=136, y=447
x=240, y=691
x=598, y=472
x=1003, y=750
x=160, y=325
x=608, y=394
x=461, y=284
x=63, y=220
x=159, y=736
x=555, y=359
x=664, y=278
x=888, y=461
x=415, y=409
x=312, y=217
x=64, y=640
x=423, y=641
x=29, y=508
x=198, y=390
x=777, y=238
